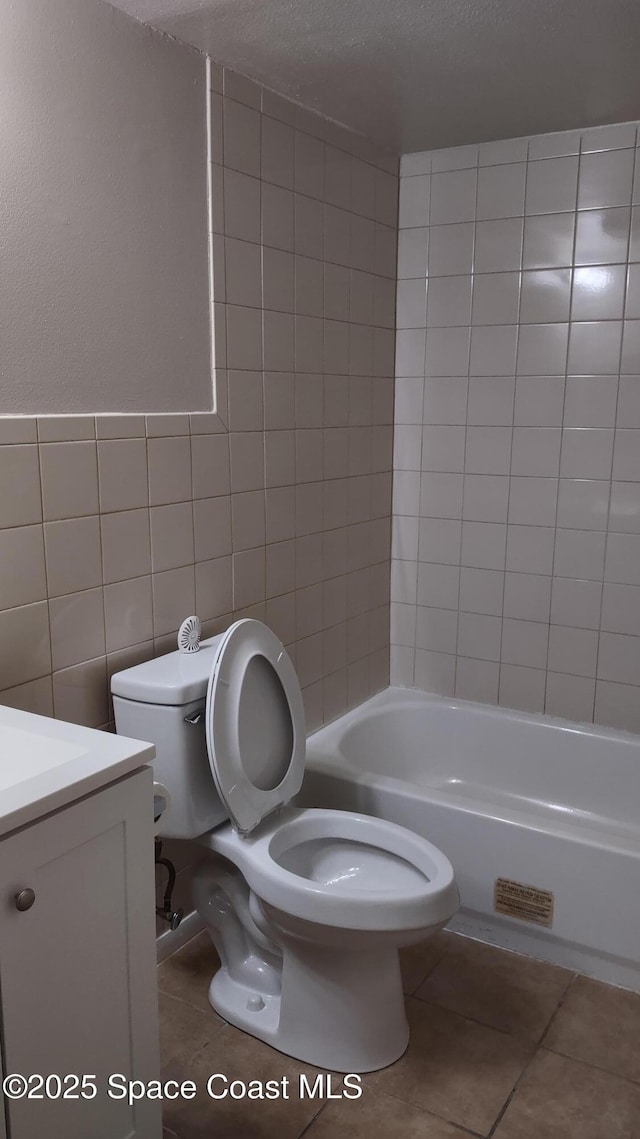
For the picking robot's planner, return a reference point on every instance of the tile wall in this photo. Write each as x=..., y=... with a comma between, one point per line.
x=516, y=543
x=113, y=529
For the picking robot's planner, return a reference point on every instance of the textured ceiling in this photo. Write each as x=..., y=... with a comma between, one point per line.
x=417, y=74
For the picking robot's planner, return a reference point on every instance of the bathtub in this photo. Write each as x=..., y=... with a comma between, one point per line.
x=550, y=808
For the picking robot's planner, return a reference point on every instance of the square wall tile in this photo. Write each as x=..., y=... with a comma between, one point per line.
x=19, y=467
x=548, y=241
x=606, y=179
x=477, y=680
x=539, y=401
x=77, y=627
x=22, y=566
x=25, y=652
x=128, y=613
x=69, y=479
x=576, y=602
x=74, y=560
x=496, y=298
x=602, y=236
x=522, y=688
x=412, y=304
x=493, y=350
x=481, y=590
x=173, y=594
x=570, y=697
x=583, y=504
x=126, y=546
x=530, y=549
x=590, y=401
x=542, y=349
x=536, y=451
x=483, y=545
x=414, y=201
x=479, y=636
x=448, y=301
x=552, y=185
x=171, y=536
x=450, y=249
x=501, y=191
x=453, y=197
x=491, y=401
x=412, y=253
x=546, y=296
x=434, y=672
x=586, y=453
x=579, y=554
x=594, y=347
x=573, y=650
x=446, y=353
x=527, y=596
x=524, y=642
x=598, y=292
x=488, y=450
x=122, y=469
x=169, y=470
x=498, y=245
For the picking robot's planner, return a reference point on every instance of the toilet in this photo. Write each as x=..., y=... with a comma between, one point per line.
x=307, y=907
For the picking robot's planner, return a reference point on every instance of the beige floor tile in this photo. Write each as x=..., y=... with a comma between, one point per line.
x=240, y=1057
x=184, y=1030
x=417, y=961
x=187, y=973
x=453, y=1067
x=560, y=1098
x=378, y=1116
x=506, y=990
x=600, y=1025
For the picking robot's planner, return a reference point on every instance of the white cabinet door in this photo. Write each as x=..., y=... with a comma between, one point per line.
x=77, y=969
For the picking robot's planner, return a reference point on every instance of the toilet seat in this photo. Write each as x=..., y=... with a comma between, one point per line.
x=391, y=879
x=254, y=723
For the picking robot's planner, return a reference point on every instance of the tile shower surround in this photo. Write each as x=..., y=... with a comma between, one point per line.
x=113, y=529
x=516, y=543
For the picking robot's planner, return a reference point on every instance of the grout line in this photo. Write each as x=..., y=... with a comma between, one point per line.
x=557, y=1009
x=466, y=412
x=513, y=414
x=564, y=400
x=636, y=170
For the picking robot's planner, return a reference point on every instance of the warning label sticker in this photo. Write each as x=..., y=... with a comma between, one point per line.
x=518, y=900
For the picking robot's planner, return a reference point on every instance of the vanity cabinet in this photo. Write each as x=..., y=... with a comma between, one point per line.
x=77, y=962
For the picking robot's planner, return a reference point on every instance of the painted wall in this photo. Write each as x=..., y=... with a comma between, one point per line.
x=103, y=251
x=516, y=573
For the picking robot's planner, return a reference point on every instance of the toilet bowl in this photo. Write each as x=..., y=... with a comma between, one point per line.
x=307, y=908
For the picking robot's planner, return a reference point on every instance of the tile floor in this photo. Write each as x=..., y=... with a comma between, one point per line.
x=501, y=1045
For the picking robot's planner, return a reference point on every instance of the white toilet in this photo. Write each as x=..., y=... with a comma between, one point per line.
x=307, y=908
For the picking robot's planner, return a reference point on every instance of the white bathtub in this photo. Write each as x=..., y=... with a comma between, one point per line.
x=506, y=795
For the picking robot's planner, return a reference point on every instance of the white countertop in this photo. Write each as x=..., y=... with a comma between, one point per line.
x=46, y=764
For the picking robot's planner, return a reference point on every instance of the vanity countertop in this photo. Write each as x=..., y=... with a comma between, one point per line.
x=46, y=764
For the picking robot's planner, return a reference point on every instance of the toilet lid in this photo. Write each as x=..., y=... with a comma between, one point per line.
x=254, y=724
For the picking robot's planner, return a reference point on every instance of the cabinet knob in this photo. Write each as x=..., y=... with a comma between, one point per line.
x=25, y=899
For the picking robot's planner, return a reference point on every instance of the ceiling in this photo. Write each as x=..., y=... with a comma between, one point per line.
x=418, y=74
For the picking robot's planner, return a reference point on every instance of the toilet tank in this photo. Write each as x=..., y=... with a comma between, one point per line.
x=162, y=701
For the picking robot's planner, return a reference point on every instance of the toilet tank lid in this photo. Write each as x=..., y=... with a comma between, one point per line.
x=174, y=679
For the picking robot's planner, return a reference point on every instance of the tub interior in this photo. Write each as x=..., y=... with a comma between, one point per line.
x=562, y=773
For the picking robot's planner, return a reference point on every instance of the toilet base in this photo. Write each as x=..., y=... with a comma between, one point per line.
x=328, y=997
x=340, y=1011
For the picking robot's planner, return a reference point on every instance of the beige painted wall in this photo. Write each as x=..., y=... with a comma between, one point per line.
x=103, y=235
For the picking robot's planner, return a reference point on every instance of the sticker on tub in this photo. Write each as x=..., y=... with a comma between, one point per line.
x=528, y=903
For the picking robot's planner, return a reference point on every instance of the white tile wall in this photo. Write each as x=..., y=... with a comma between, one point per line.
x=516, y=540
x=118, y=527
